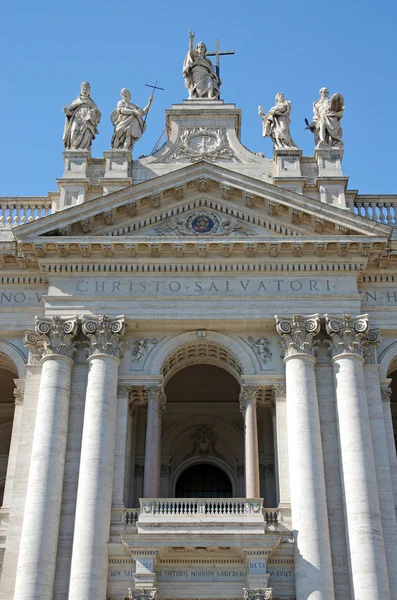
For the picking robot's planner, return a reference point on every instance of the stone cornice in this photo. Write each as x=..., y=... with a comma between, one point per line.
x=201, y=178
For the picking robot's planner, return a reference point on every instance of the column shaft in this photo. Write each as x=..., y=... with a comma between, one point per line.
x=382, y=470
x=364, y=525
x=248, y=405
x=12, y=456
x=152, y=466
x=391, y=444
x=39, y=539
x=94, y=496
x=313, y=563
x=120, y=457
x=284, y=490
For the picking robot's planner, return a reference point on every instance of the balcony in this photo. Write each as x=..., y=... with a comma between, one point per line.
x=197, y=515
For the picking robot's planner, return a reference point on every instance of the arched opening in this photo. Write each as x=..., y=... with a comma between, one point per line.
x=203, y=481
x=8, y=373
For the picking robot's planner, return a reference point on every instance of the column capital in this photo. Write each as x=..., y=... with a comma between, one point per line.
x=385, y=391
x=123, y=391
x=156, y=392
x=248, y=392
x=370, y=346
x=297, y=333
x=347, y=334
x=19, y=390
x=104, y=334
x=280, y=391
x=258, y=594
x=52, y=336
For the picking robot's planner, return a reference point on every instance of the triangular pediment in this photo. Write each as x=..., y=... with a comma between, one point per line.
x=238, y=203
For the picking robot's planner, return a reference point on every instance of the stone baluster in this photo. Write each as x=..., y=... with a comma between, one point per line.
x=281, y=446
x=120, y=455
x=381, y=455
x=391, y=444
x=53, y=341
x=156, y=406
x=363, y=520
x=248, y=396
x=12, y=456
x=313, y=563
x=94, y=494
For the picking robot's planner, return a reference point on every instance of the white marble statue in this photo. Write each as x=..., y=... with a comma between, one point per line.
x=326, y=123
x=129, y=125
x=82, y=118
x=275, y=124
x=200, y=77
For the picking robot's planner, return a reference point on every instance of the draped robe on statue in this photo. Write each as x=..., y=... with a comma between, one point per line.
x=200, y=77
x=81, y=123
x=128, y=124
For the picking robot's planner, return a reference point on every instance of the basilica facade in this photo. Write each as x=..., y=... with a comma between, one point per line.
x=198, y=356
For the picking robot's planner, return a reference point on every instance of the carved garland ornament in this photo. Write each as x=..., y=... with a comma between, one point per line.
x=297, y=333
x=347, y=334
x=258, y=594
x=202, y=143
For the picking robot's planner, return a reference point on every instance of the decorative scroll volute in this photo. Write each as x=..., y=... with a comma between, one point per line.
x=370, y=346
x=104, y=334
x=347, y=334
x=385, y=392
x=53, y=336
x=247, y=393
x=297, y=333
x=258, y=594
x=156, y=392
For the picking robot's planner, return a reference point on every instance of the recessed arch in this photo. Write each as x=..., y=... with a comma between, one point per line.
x=12, y=359
x=214, y=348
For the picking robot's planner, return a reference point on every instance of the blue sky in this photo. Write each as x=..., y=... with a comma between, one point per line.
x=48, y=48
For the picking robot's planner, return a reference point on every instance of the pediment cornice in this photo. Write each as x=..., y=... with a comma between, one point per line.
x=283, y=211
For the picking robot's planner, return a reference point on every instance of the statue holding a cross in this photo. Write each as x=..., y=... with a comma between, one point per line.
x=201, y=79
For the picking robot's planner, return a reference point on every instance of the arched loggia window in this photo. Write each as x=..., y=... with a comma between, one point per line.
x=203, y=481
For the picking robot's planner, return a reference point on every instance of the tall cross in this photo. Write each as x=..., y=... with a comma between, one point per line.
x=218, y=53
x=154, y=87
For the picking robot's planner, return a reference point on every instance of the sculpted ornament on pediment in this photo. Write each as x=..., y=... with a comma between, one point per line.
x=201, y=143
x=203, y=222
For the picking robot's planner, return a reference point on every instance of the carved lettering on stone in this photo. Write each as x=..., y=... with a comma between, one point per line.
x=104, y=334
x=297, y=333
x=347, y=333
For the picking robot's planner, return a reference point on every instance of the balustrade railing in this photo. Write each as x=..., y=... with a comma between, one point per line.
x=23, y=210
x=380, y=210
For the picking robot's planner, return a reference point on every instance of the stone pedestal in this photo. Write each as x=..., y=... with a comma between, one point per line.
x=313, y=563
x=363, y=520
x=288, y=169
x=118, y=164
x=248, y=408
x=88, y=575
x=54, y=340
x=330, y=181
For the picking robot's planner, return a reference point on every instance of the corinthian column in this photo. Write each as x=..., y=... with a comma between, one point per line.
x=54, y=342
x=156, y=406
x=313, y=563
x=364, y=524
x=248, y=396
x=94, y=494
